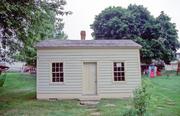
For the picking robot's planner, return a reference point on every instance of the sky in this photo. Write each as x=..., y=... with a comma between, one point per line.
x=84, y=12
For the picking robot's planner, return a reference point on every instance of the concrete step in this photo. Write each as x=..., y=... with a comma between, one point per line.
x=93, y=98
x=89, y=102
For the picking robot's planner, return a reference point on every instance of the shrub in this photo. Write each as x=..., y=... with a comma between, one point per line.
x=141, y=98
x=2, y=79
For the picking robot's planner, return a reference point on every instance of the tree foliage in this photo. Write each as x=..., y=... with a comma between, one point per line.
x=25, y=22
x=158, y=36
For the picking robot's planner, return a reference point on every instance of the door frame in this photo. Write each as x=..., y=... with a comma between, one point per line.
x=96, y=79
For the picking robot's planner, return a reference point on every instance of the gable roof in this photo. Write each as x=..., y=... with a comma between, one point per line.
x=57, y=43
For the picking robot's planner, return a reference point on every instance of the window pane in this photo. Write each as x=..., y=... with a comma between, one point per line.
x=122, y=64
x=61, y=75
x=53, y=64
x=57, y=69
x=54, y=80
x=122, y=73
x=122, y=68
x=119, y=78
x=57, y=79
x=119, y=69
x=53, y=69
x=61, y=80
x=57, y=75
x=57, y=64
x=61, y=69
x=123, y=78
x=61, y=65
x=115, y=74
x=114, y=64
x=119, y=74
x=53, y=75
x=118, y=64
x=115, y=78
x=115, y=69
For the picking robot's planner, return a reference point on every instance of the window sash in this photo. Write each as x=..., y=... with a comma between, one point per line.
x=118, y=71
x=57, y=72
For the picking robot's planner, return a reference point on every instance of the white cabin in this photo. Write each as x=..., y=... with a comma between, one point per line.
x=77, y=69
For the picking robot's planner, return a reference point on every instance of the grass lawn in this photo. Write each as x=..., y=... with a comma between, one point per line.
x=17, y=97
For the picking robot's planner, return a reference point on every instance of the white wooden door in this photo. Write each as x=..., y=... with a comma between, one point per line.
x=89, y=78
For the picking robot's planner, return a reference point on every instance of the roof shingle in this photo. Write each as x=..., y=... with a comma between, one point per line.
x=56, y=43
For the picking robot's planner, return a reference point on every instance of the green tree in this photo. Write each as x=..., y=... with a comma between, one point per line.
x=138, y=24
x=25, y=22
x=47, y=27
x=168, y=35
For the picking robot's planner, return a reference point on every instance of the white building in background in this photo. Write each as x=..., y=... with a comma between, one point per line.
x=16, y=66
x=174, y=64
x=178, y=54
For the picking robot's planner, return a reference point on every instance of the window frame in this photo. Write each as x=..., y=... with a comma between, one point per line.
x=125, y=77
x=51, y=73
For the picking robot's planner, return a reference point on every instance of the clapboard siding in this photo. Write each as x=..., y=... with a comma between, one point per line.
x=98, y=58
x=73, y=70
x=106, y=83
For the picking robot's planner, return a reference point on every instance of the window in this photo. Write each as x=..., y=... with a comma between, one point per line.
x=119, y=74
x=57, y=72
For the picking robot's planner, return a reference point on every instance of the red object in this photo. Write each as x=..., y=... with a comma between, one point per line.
x=158, y=73
x=30, y=69
x=152, y=74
